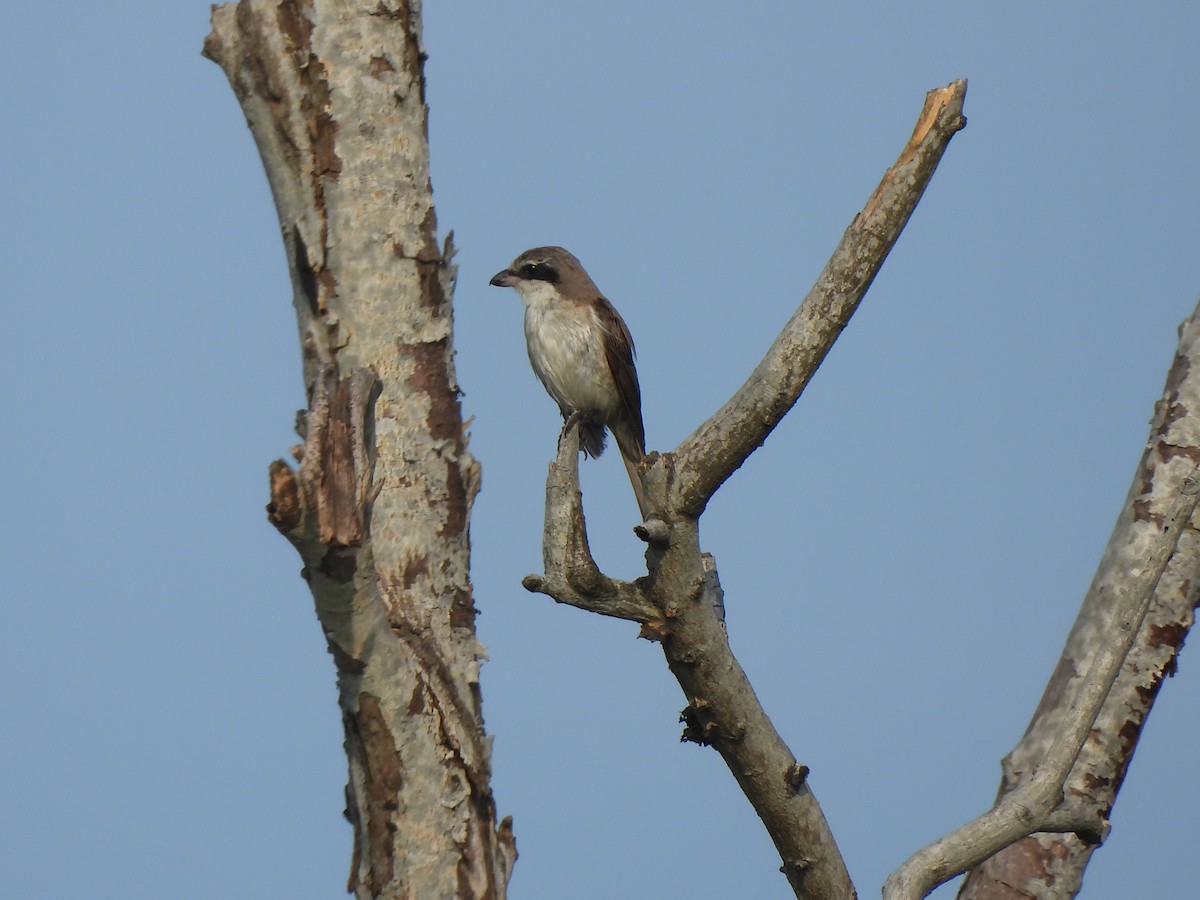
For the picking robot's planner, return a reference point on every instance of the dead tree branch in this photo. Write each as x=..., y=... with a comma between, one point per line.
x=719, y=447
x=679, y=602
x=1037, y=804
x=572, y=576
x=1051, y=865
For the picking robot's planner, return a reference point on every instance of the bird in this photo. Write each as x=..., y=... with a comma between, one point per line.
x=582, y=352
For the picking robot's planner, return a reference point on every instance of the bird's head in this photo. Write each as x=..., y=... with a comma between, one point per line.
x=542, y=266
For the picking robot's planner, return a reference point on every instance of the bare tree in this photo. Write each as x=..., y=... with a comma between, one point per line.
x=379, y=504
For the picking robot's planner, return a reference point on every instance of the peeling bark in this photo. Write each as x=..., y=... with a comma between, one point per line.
x=1051, y=866
x=379, y=505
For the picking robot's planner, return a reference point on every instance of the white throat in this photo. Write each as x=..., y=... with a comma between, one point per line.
x=537, y=294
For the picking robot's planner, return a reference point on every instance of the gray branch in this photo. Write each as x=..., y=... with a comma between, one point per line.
x=1035, y=805
x=679, y=602
x=1052, y=865
x=719, y=447
x=572, y=576
x=1099, y=684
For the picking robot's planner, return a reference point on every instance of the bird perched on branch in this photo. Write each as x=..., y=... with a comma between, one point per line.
x=582, y=352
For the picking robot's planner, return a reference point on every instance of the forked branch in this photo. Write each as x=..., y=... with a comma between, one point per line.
x=679, y=602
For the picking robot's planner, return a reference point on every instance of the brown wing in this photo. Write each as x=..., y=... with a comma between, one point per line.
x=619, y=351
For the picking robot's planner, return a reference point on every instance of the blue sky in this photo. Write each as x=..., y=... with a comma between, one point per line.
x=901, y=560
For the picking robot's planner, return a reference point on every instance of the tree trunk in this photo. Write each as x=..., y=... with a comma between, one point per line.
x=379, y=505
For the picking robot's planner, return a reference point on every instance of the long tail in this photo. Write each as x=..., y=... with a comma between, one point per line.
x=635, y=479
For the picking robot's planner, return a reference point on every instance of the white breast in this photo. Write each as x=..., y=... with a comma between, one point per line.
x=567, y=353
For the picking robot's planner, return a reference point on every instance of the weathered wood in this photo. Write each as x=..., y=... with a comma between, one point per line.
x=679, y=602
x=379, y=506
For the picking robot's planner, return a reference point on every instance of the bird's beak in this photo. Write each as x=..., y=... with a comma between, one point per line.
x=506, y=278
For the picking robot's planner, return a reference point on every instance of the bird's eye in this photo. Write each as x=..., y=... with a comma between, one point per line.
x=538, y=272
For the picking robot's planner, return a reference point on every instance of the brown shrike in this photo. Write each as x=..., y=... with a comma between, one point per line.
x=581, y=351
